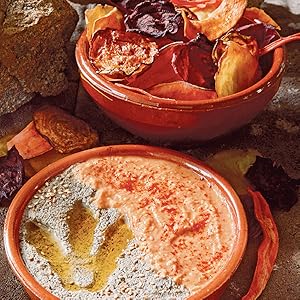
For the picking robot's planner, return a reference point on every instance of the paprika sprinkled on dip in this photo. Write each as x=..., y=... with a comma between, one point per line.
x=181, y=221
x=128, y=221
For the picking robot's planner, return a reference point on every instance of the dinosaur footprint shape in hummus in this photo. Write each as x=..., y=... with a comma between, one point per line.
x=81, y=269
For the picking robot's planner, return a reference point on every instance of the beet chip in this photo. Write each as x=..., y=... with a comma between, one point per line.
x=154, y=18
x=12, y=174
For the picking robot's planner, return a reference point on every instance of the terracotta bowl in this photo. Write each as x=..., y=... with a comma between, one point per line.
x=179, y=120
x=17, y=207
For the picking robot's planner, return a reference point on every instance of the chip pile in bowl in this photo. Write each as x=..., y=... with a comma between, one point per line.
x=187, y=50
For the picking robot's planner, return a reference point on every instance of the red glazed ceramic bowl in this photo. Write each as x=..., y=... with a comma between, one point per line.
x=16, y=210
x=178, y=120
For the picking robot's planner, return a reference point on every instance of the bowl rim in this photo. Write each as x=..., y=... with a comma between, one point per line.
x=99, y=83
x=15, y=212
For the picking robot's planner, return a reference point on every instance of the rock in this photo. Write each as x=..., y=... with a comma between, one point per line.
x=34, y=37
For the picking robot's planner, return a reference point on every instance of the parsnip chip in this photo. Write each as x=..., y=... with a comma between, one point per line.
x=65, y=132
x=238, y=64
x=101, y=17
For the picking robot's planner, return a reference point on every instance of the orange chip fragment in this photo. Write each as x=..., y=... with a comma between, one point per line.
x=65, y=132
x=181, y=90
x=29, y=142
x=212, y=22
x=118, y=54
x=101, y=17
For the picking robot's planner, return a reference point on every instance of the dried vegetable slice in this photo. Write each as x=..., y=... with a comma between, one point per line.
x=161, y=71
x=233, y=165
x=213, y=22
x=102, y=17
x=12, y=174
x=194, y=62
x=238, y=64
x=262, y=32
x=268, y=249
x=181, y=90
x=3, y=144
x=29, y=142
x=273, y=182
x=154, y=18
x=119, y=54
x=190, y=62
x=65, y=132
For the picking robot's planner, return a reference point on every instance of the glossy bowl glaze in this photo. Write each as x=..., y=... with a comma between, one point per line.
x=16, y=210
x=162, y=120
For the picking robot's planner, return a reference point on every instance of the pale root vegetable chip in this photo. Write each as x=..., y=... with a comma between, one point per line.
x=181, y=90
x=29, y=142
x=238, y=64
x=102, y=17
x=211, y=21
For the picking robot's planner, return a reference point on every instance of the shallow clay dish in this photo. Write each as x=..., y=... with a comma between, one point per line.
x=179, y=120
x=16, y=210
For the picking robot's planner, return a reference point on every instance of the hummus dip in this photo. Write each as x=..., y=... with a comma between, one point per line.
x=180, y=219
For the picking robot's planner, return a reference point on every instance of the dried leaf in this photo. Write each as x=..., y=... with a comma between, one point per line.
x=65, y=132
x=181, y=90
x=102, y=17
x=11, y=174
x=118, y=54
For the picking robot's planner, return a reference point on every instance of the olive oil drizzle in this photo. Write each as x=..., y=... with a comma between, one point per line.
x=82, y=226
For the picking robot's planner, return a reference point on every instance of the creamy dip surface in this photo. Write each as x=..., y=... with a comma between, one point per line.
x=180, y=220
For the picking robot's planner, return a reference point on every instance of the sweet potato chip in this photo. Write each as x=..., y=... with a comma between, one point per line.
x=213, y=22
x=181, y=90
x=117, y=53
x=65, y=132
x=102, y=17
x=29, y=142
